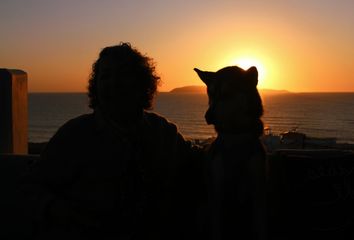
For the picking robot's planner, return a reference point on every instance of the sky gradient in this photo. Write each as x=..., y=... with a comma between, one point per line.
x=301, y=46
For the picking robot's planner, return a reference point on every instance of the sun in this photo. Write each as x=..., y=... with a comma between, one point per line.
x=247, y=59
x=246, y=63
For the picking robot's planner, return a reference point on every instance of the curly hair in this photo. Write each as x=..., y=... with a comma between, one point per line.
x=142, y=65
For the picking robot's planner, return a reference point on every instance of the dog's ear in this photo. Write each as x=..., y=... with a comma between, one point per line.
x=252, y=73
x=205, y=76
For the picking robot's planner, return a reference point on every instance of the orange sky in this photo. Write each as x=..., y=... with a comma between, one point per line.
x=301, y=46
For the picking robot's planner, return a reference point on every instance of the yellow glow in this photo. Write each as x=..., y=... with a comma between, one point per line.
x=247, y=58
x=246, y=63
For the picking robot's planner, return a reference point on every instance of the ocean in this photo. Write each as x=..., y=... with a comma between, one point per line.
x=315, y=114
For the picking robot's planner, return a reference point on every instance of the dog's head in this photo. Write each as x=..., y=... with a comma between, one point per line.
x=234, y=102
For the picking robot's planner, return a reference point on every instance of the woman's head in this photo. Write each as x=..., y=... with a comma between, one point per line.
x=122, y=79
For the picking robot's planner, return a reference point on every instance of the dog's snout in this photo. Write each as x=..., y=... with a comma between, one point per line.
x=209, y=117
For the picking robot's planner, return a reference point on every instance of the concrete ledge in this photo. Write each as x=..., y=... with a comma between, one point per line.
x=311, y=194
x=15, y=217
x=36, y=148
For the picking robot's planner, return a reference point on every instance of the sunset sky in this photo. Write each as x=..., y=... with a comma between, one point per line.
x=298, y=45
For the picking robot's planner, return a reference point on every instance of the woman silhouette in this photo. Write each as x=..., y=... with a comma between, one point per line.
x=120, y=172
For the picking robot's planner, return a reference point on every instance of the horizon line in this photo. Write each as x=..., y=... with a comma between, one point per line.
x=288, y=92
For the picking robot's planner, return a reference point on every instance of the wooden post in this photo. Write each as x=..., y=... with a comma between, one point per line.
x=13, y=111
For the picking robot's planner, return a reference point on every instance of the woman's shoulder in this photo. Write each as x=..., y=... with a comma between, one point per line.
x=76, y=127
x=157, y=120
x=79, y=123
x=163, y=129
x=69, y=137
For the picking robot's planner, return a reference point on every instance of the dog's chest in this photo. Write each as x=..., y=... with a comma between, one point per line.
x=228, y=164
x=230, y=156
x=230, y=167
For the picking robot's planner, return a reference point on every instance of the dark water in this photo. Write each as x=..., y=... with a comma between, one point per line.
x=316, y=114
x=48, y=111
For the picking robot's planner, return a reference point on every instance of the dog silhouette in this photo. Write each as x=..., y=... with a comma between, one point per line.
x=236, y=159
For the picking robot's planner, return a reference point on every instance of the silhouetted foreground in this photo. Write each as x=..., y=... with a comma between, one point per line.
x=124, y=173
x=36, y=148
x=310, y=194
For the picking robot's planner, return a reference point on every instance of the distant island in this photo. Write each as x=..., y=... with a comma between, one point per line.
x=189, y=89
x=202, y=89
